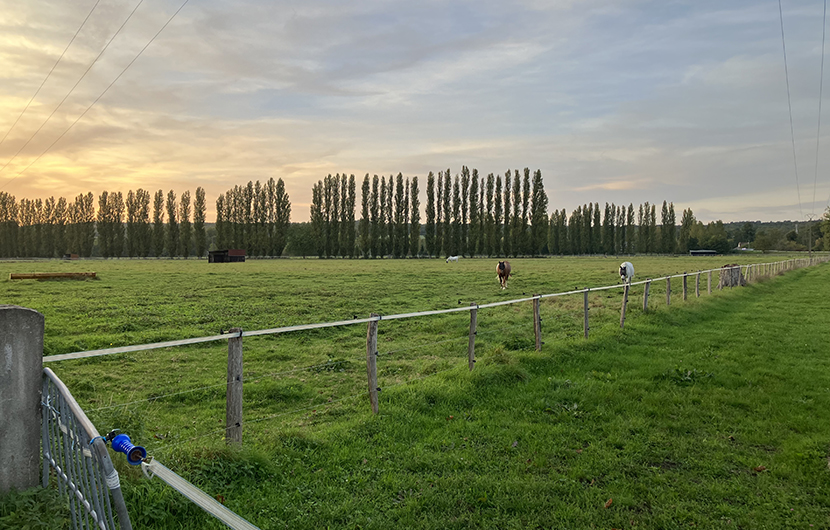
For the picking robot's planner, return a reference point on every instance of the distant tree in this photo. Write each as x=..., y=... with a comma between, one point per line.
x=526, y=243
x=414, y=218
x=172, y=225
x=185, y=227
x=439, y=212
x=516, y=235
x=390, y=215
x=318, y=222
x=465, y=209
x=399, y=247
x=446, y=194
x=375, y=226
x=685, y=234
x=507, y=239
x=365, y=198
x=538, y=215
x=596, y=229
x=607, y=231
x=473, y=244
x=631, y=244
x=429, y=235
x=489, y=221
x=158, y=224
x=455, y=246
x=281, y=219
x=498, y=248
x=199, y=217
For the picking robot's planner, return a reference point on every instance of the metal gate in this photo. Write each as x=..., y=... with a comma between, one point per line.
x=76, y=452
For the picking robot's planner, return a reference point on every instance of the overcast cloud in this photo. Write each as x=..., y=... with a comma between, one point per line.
x=624, y=101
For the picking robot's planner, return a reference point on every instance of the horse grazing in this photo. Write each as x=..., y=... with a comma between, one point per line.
x=626, y=272
x=503, y=270
x=452, y=258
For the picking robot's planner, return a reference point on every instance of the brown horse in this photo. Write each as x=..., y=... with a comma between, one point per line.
x=503, y=270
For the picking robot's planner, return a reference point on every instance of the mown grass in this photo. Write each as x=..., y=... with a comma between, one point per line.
x=710, y=413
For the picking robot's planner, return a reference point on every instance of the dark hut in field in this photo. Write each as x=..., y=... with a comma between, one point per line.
x=233, y=255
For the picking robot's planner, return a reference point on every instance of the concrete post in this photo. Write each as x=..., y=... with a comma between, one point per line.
x=21, y=370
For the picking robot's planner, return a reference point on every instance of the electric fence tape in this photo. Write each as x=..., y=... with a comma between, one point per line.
x=199, y=497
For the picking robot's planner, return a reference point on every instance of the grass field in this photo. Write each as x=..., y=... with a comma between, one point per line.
x=710, y=413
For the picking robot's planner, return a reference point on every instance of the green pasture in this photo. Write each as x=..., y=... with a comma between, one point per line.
x=709, y=413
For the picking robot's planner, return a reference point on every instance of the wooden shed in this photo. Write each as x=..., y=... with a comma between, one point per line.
x=233, y=255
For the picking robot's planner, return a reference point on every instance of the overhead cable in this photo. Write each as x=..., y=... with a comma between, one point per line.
x=50, y=72
x=102, y=93
x=71, y=90
x=789, y=105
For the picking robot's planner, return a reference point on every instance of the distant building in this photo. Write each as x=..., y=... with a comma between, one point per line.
x=703, y=252
x=233, y=255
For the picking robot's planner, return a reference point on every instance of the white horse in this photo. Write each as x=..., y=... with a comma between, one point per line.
x=626, y=272
x=452, y=258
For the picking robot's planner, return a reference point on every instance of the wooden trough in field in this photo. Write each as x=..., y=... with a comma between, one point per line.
x=51, y=275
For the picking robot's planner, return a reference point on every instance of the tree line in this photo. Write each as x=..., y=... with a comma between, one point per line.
x=470, y=215
x=119, y=227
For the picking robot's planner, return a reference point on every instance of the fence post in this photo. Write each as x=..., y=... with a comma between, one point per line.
x=645, y=296
x=668, y=291
x=537, y=322
x=233, y=405
x=709, y=283
x=624, y=303
x=585, y=305
x=372, y=361
x=471, y=347
x=21, y=372
x=697, y=285
x=684, y=285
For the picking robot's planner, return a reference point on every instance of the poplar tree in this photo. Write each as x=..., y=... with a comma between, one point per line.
x=351, y=236
x=414, y=219
x=186, y=229
x=607, y=231
x=429, y=236
x=439, y=224
x=282, y=218
x=399, y=232
x=365, y=197
x=447, y=224
x=473, y=243
x=465, y=204
x=507, y=239
x=516, y=235
x=631, y=247
x=538, y=215
x=390, y=215
x=596, y=238
x=318, y=222
x=382, y=230
x=374, y=209
x=497, y=218
x=172, y=225
x=199, y=235
x=455, y=248
x=158, y=223
x=527, y=242
x=221, y=222
x=489, y=222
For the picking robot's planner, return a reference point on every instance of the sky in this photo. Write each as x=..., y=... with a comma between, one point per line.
x=625, y=101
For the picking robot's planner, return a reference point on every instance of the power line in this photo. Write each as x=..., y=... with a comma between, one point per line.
x=820, y=87
x=72, y=89
x=789, y=105
x=101, y=95
x=50, y=72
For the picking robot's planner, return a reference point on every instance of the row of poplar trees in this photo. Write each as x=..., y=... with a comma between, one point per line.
x=121, y=226
x=255, y=217
x=469, y=215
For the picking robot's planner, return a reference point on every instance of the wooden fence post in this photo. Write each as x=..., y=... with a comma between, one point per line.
x=684, y=286
x=372, y=361
x=709, y=283
x=233, y=406
x=624, y=303
x=471, y=346
x=585, y=304
x=21, y=379
x=668, y=291
x=537, y=322
x=697, y=285
x=645, y=296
